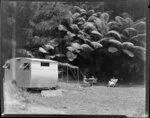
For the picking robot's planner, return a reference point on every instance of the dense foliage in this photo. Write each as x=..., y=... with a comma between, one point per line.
x=85, y=36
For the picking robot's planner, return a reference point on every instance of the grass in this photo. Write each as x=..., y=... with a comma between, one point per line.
x=96, y=100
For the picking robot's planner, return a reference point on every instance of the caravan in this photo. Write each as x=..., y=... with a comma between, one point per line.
x=31, y=72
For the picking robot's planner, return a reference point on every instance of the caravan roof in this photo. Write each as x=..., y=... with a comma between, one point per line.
x=32, y=59
x=43, y=60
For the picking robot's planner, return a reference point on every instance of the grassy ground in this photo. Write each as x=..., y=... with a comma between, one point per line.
x=97, y=100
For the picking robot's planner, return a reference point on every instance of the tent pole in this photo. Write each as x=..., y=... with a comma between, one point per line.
x=62, y=74
x=67, y=74
x=62, y=77
x=78, y=75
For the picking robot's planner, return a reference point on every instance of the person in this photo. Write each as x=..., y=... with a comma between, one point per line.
x=89, y=81
x=85, y=80
x=112, y=82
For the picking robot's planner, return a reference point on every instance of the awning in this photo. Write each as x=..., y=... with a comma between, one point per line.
x=69, y=65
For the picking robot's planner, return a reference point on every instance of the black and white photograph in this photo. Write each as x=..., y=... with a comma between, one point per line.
x=74, y=57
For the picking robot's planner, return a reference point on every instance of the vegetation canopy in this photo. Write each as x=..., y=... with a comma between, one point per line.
x=81, y=34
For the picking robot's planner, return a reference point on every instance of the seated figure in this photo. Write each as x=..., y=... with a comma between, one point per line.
x=94, y=80
x=112, y=82
x=85, y=80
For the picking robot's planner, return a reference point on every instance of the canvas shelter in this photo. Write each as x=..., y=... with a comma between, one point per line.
x=70, y=67
x=32, y=72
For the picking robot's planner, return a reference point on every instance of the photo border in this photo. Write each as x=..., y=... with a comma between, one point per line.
x=101, y=116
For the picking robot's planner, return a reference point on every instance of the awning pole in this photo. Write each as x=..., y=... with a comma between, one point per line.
x=62, y=77
x=67, y=74
x=78, y=75
x=62, y=74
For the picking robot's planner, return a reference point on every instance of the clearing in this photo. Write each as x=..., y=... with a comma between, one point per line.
x=96, y=100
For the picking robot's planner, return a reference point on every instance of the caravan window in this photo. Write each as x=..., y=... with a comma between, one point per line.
x=26, y=66
x=7, y=65
x=18, y=59
x=44, y=64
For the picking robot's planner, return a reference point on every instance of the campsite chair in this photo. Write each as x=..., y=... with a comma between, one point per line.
x=92, y=81
x=95, y=81
x=112, y=82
